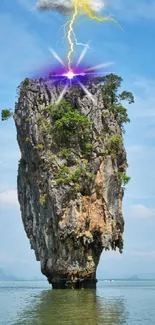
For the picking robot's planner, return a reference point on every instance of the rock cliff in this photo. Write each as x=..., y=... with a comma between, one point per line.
x=69, y=179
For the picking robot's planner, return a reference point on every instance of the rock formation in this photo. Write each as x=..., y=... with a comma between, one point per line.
x=69, y=187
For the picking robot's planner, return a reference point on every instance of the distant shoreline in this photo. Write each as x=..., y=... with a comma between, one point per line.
x=99, y=280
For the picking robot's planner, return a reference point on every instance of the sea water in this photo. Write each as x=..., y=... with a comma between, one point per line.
x=113, y=303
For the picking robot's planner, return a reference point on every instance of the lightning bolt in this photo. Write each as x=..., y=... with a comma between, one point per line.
x=92, y=15
x=72, y=40
x=70, y=31
x=79, y=43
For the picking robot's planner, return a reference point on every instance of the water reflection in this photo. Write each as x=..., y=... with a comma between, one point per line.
x=74, y=308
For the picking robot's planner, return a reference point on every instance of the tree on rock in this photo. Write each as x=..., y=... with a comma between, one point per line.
x=6, y=114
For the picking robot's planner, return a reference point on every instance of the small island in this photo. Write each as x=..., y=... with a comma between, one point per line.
x=72, y=175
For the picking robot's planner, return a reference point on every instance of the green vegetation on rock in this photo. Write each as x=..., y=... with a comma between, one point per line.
x=28, y=119
x=26, y=82
x=40, y=101
x=27, y=140
x=6, y=114
x=113, y=145
x=71, y=128
x=39, y=146
x=81, y=172
x=123, y=179
x=42, y=199
x=110, y=85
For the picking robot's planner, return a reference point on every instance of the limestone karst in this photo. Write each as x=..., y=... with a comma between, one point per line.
x=70, y=179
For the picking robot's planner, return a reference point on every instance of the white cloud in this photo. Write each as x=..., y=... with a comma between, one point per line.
x=128, y=10
x=140, y=211
x=9, y=198
x=66, y=6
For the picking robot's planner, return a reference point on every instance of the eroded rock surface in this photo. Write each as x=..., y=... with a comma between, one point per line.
x=71, y=202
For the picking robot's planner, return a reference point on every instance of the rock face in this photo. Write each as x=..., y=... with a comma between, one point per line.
x=68, y=186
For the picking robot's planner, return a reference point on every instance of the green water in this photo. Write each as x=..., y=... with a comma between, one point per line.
x=114, y=303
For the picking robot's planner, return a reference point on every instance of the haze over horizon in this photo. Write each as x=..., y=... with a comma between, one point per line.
x=25, y=41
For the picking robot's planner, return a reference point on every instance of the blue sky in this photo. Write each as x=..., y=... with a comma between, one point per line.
x=25, y=39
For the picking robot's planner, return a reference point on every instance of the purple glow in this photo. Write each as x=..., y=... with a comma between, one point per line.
x=62, y=74
x=76, y=73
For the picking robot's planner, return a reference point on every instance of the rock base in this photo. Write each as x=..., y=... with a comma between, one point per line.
x=75, y=284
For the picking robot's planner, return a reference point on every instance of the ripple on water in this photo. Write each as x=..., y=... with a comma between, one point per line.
x=114, y=303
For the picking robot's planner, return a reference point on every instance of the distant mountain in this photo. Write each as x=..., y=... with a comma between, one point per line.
x=143, y=276
x=146, y=276
x=134, y=277
x=4, y=277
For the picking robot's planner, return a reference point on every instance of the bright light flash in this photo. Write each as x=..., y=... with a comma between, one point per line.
x=70, y=74
x=82, y=55
x=87, y=92
x=57, y=57
x=99, y=66
x=62, y=94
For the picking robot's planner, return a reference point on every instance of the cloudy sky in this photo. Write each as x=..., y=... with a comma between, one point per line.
x=26, y=36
